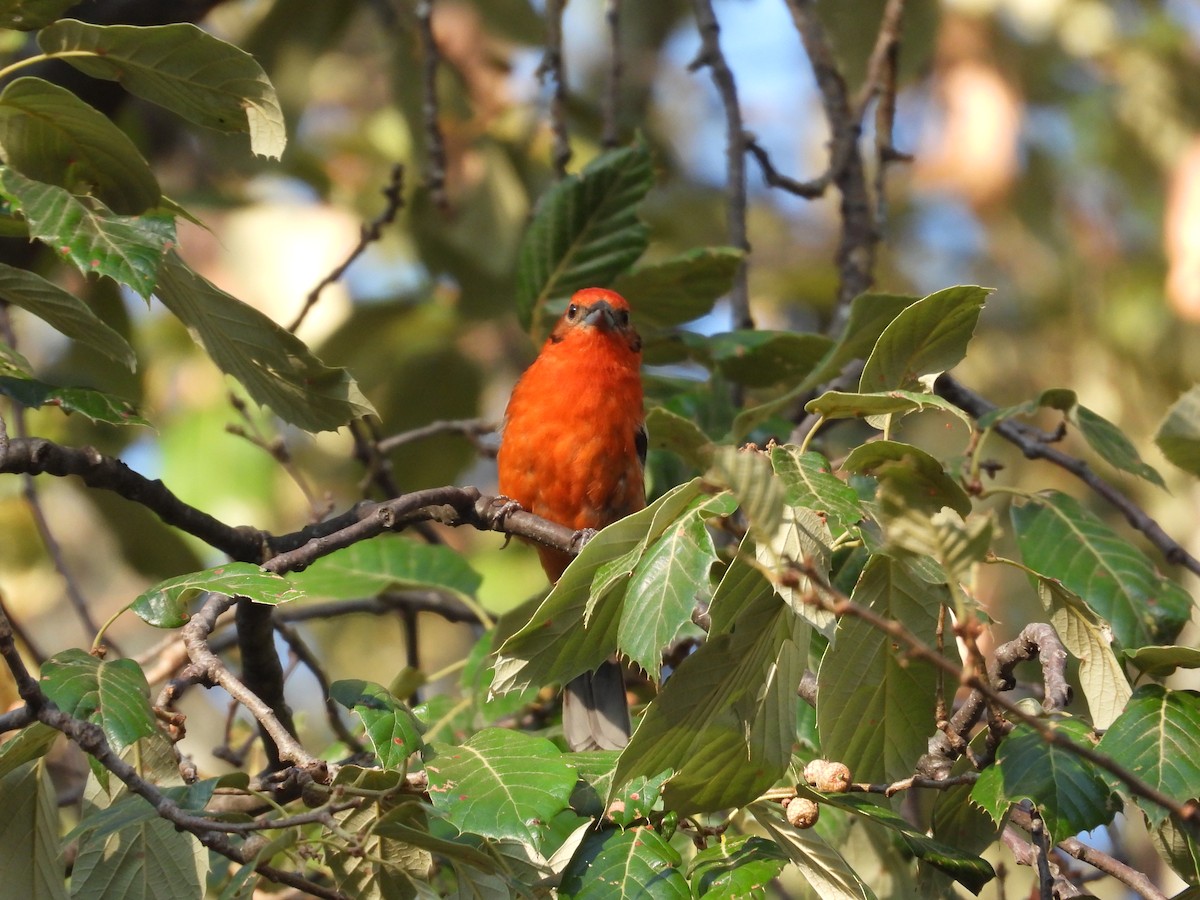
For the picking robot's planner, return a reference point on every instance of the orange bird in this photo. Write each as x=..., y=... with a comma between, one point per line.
x=573, y=451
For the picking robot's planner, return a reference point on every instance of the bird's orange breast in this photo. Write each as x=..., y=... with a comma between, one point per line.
x=569, y=449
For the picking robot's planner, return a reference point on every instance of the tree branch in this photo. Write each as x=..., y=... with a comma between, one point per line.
x=1031, y=442
x=827, y=597
x=1127, y=875
x=90, y=738
x=713, y=57
x=610, y=137
x=36, y=456
x=304, y=654
x=856, y=248
x=551, y=66
x=435, y=176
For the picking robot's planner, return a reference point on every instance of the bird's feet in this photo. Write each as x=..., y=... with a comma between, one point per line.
x=499, y=510
x=580, y=538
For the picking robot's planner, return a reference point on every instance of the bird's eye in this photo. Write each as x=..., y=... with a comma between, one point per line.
x=623, y=317
x=573, y=311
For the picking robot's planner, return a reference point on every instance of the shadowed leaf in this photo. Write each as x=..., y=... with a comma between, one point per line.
x=179, y=66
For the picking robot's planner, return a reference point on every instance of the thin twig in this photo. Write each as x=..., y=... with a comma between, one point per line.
x=394, y=193
x=22, y=635
x=1032, y=443
x=830, y=598
x=281, y=742
x=471, y=429
x=435, y=175
x=378, y=469
x=1038, y=641
x=1041, y=855
x=610, y=137
x=859, y=237
x=333, y=714
x=33, y=501
x=880, y=84
x=552, y=67
x=1127, y=875
x=91, y=739
x=277, y=449
x=809, y=190
x=881, y=67
x=712, y=57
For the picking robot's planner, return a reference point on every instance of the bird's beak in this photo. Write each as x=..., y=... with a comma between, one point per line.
x=601, y=315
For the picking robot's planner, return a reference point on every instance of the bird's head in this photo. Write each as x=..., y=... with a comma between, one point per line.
x=597, y=313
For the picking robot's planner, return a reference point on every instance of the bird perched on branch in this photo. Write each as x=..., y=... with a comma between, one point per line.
x=573, y=451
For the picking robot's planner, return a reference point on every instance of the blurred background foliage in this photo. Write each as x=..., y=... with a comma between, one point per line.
x=1056, y=150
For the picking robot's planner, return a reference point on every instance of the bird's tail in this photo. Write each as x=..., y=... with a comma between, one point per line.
x=595, y=713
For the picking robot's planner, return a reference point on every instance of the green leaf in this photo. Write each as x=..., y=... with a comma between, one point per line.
x=128, y=809
x=1061, y=399
x=680, y=289
x=1178, y=436
x=680, y=435
x=740, y=866
x=575, y=628
x=128, y=249
x=166, y=604
x=13, y=363
x=30, y=866
x=1060, y=539
x=966, y=868
x=1089, y=639
x=869, y=315
x=1069, y=792
x=955, y=544
x=410, y=824
x=926, y=338
x=670, y=579
x=911, y=473
x=956, y=819
x=48, y=134
x=625, y=864
x=179, y=66
x=499, y=784
x=394, y=732
x=826, y=870
x=1113, y=447
x=876, y=709
x=30, y=743
x=64, y=312
x=759, y=493
x=272, y=364
x=1158, y=737
x=724, y=722
x=839, y=405
x=113, y=694
x=1174, y=842
x=94, y=405
x=147, y=861
x=369, y=567
x=759, y=358
x=585, y=231
x=802, y=535
x=30, y=15
x=379, y=868
x=1159, y=662
x=810, y=483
